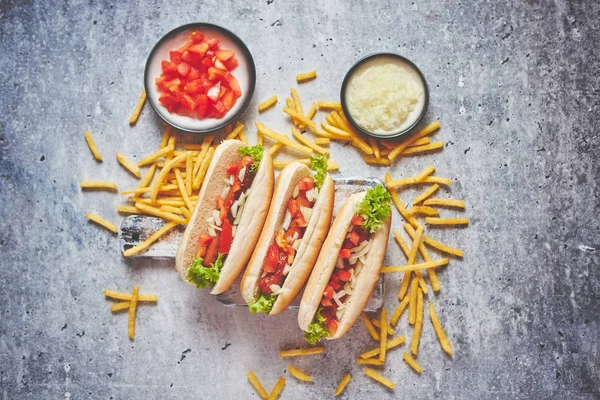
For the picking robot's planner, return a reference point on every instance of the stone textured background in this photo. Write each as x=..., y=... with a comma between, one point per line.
x=516, y=88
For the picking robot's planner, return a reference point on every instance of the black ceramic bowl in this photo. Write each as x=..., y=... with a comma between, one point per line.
x=356, y=67
x=245, y=74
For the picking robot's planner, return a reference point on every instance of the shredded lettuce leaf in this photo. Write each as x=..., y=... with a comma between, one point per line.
x=205, y=276
x=375, y=207
x=319, y=165
x=316, y=330
x=256, y=152
x=264, y=304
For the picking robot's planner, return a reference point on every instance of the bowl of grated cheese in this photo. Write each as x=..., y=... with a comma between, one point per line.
x=384, y=95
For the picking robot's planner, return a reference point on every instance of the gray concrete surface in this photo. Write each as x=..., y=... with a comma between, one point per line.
x=516, y=88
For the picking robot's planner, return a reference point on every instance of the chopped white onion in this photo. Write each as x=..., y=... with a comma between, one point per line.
x=225, y=192
x=217, y=218
x=306, y=213
x=296, y=244
x=231, y=180
x=352, y=260
x=287, y=220
x=296, y=192
x=275, y=289
x=286, y=269
x=234, y=208
x=361, y=259
x=210, y=220
x=238, y=215
x=294, y=236
x=233, y=230
x=311, y=194
x=228, y=181
x=211, y=231
x=216, y=228
x=242, y=174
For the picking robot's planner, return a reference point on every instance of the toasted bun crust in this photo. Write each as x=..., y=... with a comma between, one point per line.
x=250, y=224
x=286, y=181
x=326, y=263
x=310, y=245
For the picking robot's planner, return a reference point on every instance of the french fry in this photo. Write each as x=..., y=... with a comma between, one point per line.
x=128, y=210
x=92, y=145
x=356, y=141
x=163, y=173
x=171, y=209
x=433, y=279
x=147, y=177
x=307, y=142
x=165, y=137
x=375, y=376
x=158, y=213
x=395, y=342
x=324, y=105
x=189, y=167
x=422, y=149
x=242, y=137
x=412, y=362
x=275, y=148
x=277, y=389
x=98, y=185
x=183, y=190
x=163, y=188
x=330, y=120
x=425, y=173
x=236, y=131
x=322, y=141
x=439, y=331
x=398, y=202
x=422, y=133
x=328, y=135
x=414, y=344
x=149, y=159
x=377, y=324
x=442, y=247
x=445, y=203
x=138, y=108
x=198, y=163
x=124, y=305
x=259, y=138
x=132, y=310
x=312, y=110
x=170, y=143
x=153, y=238
x=257, y=385
x=338, y=132
x=113, y=294
x=412, y=181
x=390, y=145
x=290, y=104
x=298, y=374
x=446, y=221
x=297, y=106
x=306, y=76
x=282, y=138
x=375, y=147
x=343, y=383
x=301, y=352
x=102, y=222
x=415, y=267
x=412, y=256
x=412, y=304
x=374, y=160
x=383, y=336
x=162, y=201
x=404, y=286
x=331, y=165
x=403, y=245
x=128, y=165
x=398, y=313
x=185, y=212
x=370, y=327
x=271, y=101
x=424, y=210
x=370, y=361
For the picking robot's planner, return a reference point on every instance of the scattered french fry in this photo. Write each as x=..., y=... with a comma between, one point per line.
x=138, y=108
x=128, y=210
x=395, y=342
x=122, y=306
x=132, y=310
x=306, y=76
x=433, y=279
x=383, y=336
x=424, y=210
x=189, y=167
x=370, y=361
x=239, y=128
x=446, y=221
x=282, y=138
x=153, y=238
x=412, y=362
x=92, y=145
x=183, y=190
x=257, y=385
x=312, y=110
x=298, y=106
x=422, y=133
x=439, y=331
x=324, y=105
x=412, y=256
x=277, y=389
x=307, y=142
x=336, y=131
x=271, y=101
x=102, y=222
x=128, y=165
x=444, y=203
x=423, y=149
x=415, y=267
x=398, y=313
x=412, y=181
x=412, y=304
x=301, y=352
x=442, y=247
x=375, y=147
x=163, y=173
x=404, y=285
x=375, y=376
x=322, y=141
x=158, y=213
x=147, y=177
x=275, y=148
x=370, y=327
x=165, y=137
x=377, y=324
x=414, y=344
x=403, y=245
x=398, y=202
x=374, y=160
x=298, y=374
x=113, y=294
x=99, y=185
x=343, y=383
x=149, y=159
x=429, y=170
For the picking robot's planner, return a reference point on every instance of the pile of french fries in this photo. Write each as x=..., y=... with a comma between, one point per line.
x=130, y=303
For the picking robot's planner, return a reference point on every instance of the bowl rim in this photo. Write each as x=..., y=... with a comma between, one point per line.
x=228, y=118
x=350, y=73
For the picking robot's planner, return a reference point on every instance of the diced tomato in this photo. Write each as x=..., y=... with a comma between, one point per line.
x=233, y=168
x=183, y=48
x=212, y=252
x=293, y=207
x=272, y=258
x=217, y=74
x=194, y=86
x=194, y=74
x=237, y=185
x=292, y=230
x=329, y=292
x=335, y=282
x=343, y=275
x=169, y=67
x=224, y=55
x=196, y=37
x=300, y=221
x=264, y=284
x=302, y=200
x=213, y=92
x=229, y=99
x=362, y=233
x=222, y=208
x=167, y=100
x=331, y=325
x=222, y=91
x=231, y=64
x=205, y=239
x=219, y=64
x=326, y=302
x=357, y=220
x=183, y=68
x=306, y=183
x=212, y=43
x=354, y=237
x=226, y=237
x=199, y=48
x=202, y=105
x=246, y=161
x=190, y=104
x=345, y=253
x=175, y=56
x=207, y=63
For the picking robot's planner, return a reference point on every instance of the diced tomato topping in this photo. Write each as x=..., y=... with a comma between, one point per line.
x=213, y=92
x=354, y=237
x=175, y=56
x=226, y=237
x=264, y=284
x=329, y=292
x=272, y=258
x=357, y=220
x=233, y=83
x=246, y=161
x=236, y=187
x=300, y=221
x=302, y=200
x=326, y=302
x=343, y=275
x=169, y=66
x=233, y=168
x=184, y=68
x=213, y=43
x=229, y=99
x=306, y=183
x=224, y=55
x=211, y=252
x=292, y=230
x=222, y=208
x=293, y=207
x=335, y=282
x=199, y=48
x=345, y=253
x=196, y=37
x=331, y=325
x=231, y=64
x=205, y=239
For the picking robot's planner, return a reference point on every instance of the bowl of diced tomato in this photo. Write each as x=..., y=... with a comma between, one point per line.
x=199, y=77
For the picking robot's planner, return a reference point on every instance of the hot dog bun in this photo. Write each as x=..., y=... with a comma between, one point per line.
x=251, y=222
x=311, y=242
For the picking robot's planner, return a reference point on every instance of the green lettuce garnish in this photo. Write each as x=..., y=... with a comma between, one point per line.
x=256, y=152
x=375, y=207
x=319, y=165
x=316, y=331
x=205, y=276
x=264, y=304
